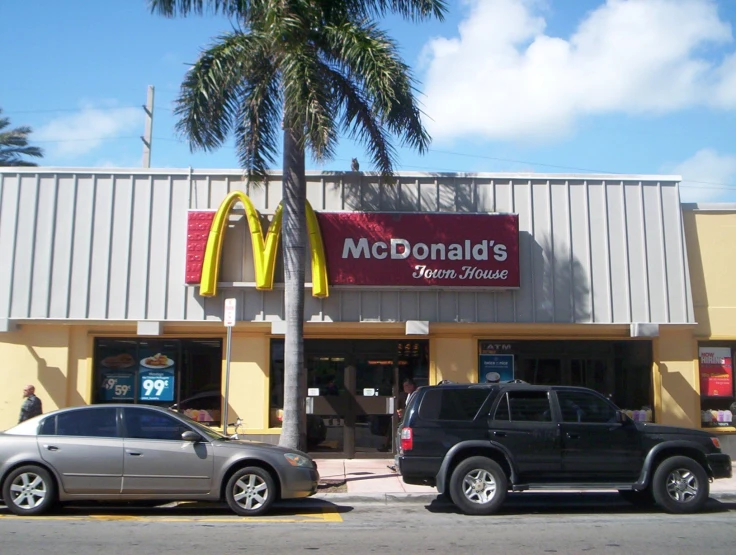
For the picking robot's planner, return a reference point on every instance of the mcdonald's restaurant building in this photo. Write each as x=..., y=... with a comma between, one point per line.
x=113, y=285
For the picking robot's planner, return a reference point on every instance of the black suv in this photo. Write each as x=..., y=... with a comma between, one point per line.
x=475, y=442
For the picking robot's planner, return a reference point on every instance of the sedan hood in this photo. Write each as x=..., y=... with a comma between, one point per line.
x=250, y=444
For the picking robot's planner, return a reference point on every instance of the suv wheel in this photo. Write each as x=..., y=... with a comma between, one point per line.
x=250, y=491
x=29, y=491
x=680, y=485
x=478, y=486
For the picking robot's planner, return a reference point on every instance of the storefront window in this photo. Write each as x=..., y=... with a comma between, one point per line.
x=717, y=394
x=621, y=370
x=181, y=374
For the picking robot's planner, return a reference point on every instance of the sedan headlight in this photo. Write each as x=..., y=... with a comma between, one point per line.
x=299, y=460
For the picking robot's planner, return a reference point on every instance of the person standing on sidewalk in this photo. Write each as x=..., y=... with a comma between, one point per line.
x=31, y=406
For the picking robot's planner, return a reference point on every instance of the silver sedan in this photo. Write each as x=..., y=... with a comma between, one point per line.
x=143, y=453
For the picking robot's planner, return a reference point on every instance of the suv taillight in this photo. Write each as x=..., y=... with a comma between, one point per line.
x=407, y=439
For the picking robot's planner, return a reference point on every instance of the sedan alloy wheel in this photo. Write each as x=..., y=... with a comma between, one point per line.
x=250, y=491
x=29, y=490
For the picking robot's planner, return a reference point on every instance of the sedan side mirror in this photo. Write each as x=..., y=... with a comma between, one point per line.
x=191, y=436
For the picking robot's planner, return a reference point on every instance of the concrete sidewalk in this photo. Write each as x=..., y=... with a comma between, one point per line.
x=370, y=480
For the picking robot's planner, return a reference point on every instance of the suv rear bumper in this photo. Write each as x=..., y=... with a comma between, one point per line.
x=720, y=465
x=418, y=470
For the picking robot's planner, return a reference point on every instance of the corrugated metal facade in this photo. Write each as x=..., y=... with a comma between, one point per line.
x=91, y=245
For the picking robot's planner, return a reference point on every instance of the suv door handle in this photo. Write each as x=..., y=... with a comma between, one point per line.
x=573, y=436
x=499, y=434
x=51, y=447
x=134, y=453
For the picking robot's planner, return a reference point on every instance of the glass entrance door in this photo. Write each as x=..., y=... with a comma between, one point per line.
x=353, y=388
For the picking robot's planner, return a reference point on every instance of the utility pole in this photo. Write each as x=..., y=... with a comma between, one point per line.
x=148, y=137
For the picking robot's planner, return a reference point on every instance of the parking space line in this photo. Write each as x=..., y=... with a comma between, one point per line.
x=325, y=515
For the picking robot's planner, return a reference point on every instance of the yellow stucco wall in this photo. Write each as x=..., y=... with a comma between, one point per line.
x=676, y=386
x=453, y=358
x=709, y=238
x=712, y=258
x=249, y=381
x=37, y=355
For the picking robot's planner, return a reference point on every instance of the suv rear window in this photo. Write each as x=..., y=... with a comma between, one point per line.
x=452, y=404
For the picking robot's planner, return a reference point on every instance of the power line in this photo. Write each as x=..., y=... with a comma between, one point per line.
x=89, y=139
x=50, y=110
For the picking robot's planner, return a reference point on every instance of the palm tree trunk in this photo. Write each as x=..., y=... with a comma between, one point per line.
x=294, y=240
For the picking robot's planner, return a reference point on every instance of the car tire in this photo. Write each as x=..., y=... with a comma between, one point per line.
x=638, y=498
x=29, y=491
x=680, y=485
x=250, y=491
x=478, y=486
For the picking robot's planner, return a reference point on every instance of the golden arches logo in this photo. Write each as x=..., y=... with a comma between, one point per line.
x=264, y=250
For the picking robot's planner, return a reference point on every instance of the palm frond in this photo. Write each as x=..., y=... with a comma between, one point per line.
x=208, y=103
x=14, y=145
x=360, y=122
x=367, y=55
x=183, y=8
x=309, y=104
x=414, y=10
x=258, y=120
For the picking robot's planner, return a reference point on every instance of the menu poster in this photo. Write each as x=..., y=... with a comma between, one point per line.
x=117, y=376
x=716, y=372
x=156, y=377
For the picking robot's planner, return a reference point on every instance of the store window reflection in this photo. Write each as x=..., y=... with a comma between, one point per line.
x=183, y=374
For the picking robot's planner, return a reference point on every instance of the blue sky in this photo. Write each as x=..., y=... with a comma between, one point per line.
x=561, y=86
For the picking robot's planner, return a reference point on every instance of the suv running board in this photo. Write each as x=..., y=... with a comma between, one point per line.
x=572, y=486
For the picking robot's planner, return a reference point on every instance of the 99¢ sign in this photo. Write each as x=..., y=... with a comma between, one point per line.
x=156, y=385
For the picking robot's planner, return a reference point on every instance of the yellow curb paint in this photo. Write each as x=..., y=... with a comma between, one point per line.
x=325, y=516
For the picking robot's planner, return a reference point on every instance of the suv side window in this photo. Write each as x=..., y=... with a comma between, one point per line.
x=582, y=406
x=97, y=422
x=524, y=406
x=149, y=424
x=452, y=404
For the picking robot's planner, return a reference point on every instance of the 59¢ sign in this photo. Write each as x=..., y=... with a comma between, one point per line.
x=156, y=385
x=117, y=387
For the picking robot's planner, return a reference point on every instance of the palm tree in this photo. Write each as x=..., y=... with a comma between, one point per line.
x=310, y=69
x=14, y=145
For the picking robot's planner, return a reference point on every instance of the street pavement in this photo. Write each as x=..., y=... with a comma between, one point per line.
x=378, y=513
x=526, y=524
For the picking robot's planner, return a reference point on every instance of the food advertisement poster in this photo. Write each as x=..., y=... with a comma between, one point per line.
x=716, y=372
x=118, y=377
x=156, y=378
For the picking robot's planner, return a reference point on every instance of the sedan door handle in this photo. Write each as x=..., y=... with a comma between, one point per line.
x=51, y=447
x=134, y=453
x=499, y=434
x=573, y=436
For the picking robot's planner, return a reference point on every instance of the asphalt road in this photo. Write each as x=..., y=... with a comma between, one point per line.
x=529, y=523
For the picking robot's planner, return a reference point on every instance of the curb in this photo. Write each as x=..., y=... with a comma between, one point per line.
x=382, y=498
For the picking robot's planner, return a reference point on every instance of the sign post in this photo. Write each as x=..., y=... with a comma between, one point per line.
x=229, y=321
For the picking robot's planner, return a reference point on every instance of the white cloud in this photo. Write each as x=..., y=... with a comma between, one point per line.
x=504, y=78
x=77, y=134
x=706, y=176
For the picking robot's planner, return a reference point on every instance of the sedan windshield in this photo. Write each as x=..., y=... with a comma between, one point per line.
x=209, y=432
